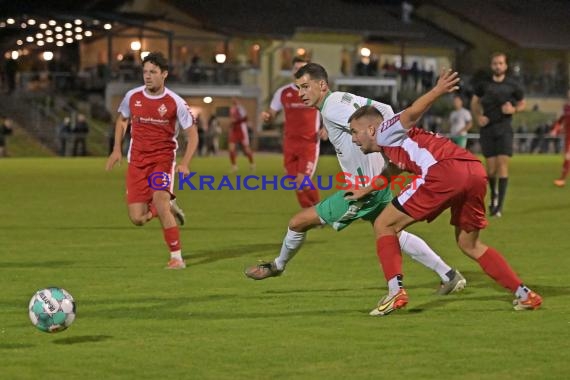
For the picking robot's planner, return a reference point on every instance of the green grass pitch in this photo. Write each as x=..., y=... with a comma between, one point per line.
x=63, y=222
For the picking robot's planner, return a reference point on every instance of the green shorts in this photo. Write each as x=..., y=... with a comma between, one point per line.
x=340, y=213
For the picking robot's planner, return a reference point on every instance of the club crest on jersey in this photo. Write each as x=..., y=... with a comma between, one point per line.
x=138, y=103
x=162, y=110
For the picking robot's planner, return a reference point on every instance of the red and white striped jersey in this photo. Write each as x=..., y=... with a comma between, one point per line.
x=153, y=124
x=415, y=150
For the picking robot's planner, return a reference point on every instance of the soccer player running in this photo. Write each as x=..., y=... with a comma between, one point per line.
x=450, y=177
x=239, y=135
x=493, y=105
x=336, y=210
x=300, y=136
x=563, y=123
x=153, y=111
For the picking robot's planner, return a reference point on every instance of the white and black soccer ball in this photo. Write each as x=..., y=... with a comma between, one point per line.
x=52, y=309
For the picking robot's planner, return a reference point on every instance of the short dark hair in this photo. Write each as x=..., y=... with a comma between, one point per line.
x=365, y=111
x=158, y=59
x=314, y=70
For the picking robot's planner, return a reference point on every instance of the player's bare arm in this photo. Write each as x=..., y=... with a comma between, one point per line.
x=477, y=111
x=120, y=129
x=389, y=171
x=192, y=138
x=446, y=83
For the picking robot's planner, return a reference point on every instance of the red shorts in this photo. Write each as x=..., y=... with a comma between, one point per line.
x=143, y=181
x=459, y=185
x=239, y=135
x=300, y=157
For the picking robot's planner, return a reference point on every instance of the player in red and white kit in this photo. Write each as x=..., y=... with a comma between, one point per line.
x=448, y=177
x=154, y=111
x=562, y=125
x=300, y=136
x=238, y=134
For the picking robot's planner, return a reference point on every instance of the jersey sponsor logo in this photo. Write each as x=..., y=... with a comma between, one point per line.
x=388, y=123
x=346, y=98
x=162, y=110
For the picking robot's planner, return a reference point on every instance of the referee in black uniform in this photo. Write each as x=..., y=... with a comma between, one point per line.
x=493, y=104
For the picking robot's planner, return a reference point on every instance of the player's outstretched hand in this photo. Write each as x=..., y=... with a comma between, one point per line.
x=448, y=81
x=114, y=157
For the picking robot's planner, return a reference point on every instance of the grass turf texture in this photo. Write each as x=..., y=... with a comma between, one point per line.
x=64, y=223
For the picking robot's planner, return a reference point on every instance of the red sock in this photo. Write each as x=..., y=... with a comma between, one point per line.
x=565, y=169
x=232, y=157
x=496, y=267
x=390, y=255
x=172, y=238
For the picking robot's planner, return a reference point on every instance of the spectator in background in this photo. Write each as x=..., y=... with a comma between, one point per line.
x=523, y=140
x=493, y=105
x=5, y=130
x=459, y=122
x=80, y=132
x=63, y=135
x=11, y=69
x=201, y=135
x=213, y=135
x=563, y=125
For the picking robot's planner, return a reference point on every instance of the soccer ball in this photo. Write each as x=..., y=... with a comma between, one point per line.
x=52, y=309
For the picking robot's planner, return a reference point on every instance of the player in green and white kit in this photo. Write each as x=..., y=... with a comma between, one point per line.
x=336, y=108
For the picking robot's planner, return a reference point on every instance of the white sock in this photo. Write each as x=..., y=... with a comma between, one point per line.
x=176, y=255
x=418, y=250
x=394, y=285
x=522, y=292
x=291, y=244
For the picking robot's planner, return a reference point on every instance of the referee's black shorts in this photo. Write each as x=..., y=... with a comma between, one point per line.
x=496, y=140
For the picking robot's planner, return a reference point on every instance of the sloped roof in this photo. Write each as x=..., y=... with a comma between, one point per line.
x=527, y=23
x=282, y=19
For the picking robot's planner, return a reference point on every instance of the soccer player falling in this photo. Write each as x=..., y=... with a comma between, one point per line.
x=336, y=210
x=451, y=177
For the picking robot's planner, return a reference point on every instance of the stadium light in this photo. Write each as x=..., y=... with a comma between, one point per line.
x=52, y=22
x=10, y=21
x=365, y=52
x=23, y=25
x=15, y=54
x=59, y=43
x=47, y=55
x=144, y=54
x=136, y=45
x=107, y=26
x=208, y=99
x=31, y=22
x=220, y=58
